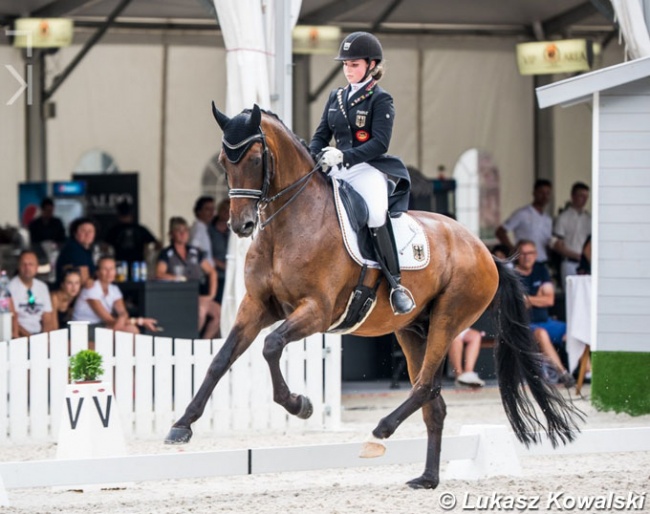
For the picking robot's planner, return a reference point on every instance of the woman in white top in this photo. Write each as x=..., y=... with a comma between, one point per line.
x=102, y=304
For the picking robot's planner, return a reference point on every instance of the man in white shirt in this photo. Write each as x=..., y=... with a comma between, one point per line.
x=531, y=222
x=31, y=298
x=572, y=227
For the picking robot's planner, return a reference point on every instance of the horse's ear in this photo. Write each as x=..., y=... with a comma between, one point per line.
x=221, y=118
x=256, y=116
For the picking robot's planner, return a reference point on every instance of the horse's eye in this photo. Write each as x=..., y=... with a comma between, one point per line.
x=257, y=161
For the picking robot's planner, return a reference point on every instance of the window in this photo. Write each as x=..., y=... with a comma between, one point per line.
x=213, y=182
x=96, y=161
x=477, y=193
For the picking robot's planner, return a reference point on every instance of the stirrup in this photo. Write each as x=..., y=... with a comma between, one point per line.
x=409, y=297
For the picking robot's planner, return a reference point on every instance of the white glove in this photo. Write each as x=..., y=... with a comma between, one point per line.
x=331, y=157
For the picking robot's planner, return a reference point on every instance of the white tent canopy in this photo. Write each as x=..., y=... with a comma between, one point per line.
x=258, y=59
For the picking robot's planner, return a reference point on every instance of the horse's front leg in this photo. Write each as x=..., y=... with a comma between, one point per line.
x=251, y=318
x=304, y=321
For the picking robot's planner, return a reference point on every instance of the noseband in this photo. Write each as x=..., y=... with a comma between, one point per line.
x=261, y=195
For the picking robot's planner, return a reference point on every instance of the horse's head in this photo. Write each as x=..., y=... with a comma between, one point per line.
x=252, y=157
x=244, y=156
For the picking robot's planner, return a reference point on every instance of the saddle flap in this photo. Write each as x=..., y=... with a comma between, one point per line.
x=411, y=241
x=354, y=205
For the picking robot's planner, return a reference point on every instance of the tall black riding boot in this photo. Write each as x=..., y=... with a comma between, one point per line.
x=401, y=299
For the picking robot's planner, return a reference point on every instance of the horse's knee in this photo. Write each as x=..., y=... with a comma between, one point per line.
x=426, y=393
x=273, y=346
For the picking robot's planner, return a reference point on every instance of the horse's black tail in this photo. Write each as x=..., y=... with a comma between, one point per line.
x=518, y=362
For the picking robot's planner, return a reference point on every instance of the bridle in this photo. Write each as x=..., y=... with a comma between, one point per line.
x=261, y=195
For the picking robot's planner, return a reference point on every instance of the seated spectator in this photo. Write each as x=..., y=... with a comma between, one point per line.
x=128, y=238
x=46, y=227
x=30, y=297
x=102, y=303
x=180, y=261
x=200, y=232
x=78, y=251
x=63, y=298
x=219, y=236
x=14, y=319
x=540, y=295
x=470, y=340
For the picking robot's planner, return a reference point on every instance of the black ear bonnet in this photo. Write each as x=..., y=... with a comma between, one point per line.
x=239, y=132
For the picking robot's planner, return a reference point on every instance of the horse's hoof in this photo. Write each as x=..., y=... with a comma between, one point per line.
x=306, y=408
x=422, y=483
x=178, y=435
x=372, y=448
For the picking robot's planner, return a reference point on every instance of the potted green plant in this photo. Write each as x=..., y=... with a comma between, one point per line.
x=86, y=366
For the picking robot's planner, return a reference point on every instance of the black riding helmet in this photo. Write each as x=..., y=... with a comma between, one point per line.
x=360, y=45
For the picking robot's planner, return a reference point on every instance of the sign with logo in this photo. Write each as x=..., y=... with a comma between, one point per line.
x=319, y=39
x=43, y=32
x=548, y=57
x=70, y=188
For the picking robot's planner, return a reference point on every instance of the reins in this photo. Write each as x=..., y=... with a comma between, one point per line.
x=264, y=203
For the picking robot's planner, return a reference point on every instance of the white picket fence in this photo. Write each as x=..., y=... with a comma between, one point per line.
x=154, y=378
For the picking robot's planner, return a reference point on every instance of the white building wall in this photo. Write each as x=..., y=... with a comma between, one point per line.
x=624, y=218
x=111, y=102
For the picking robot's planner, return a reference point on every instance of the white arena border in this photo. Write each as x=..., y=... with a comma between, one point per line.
x=183, y=465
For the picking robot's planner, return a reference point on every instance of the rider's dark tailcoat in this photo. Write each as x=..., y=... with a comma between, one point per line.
x=362, y=125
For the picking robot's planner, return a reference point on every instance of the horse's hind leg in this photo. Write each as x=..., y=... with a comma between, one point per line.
x=434, y=413
x=433, y=410
x=303, y=322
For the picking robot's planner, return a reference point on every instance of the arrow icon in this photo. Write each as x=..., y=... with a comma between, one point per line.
x=23, y=84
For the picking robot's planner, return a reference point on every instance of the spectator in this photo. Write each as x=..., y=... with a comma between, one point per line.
x=572, y=226
x=63, y=298
x=530, y=222
x=220, y=235
x=539, y=296
x=77, y=252
x=128, y=238
x=200, y=232
x=470, y=340
x=31, y=297
x=46, y=227
x=102, y=303
x=181, y=261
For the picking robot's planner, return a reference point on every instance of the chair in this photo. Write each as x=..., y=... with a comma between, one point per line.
x=584, y=361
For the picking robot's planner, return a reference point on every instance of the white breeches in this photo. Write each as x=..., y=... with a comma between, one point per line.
x=371, y=184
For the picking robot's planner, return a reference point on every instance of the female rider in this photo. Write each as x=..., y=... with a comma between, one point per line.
x=360, y=118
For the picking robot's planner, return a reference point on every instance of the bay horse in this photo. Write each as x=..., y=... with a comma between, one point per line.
x=298, y=270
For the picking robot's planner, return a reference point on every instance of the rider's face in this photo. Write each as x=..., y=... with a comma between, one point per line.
x=355, y=70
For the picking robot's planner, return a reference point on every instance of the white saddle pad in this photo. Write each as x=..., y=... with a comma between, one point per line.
x=412, y=244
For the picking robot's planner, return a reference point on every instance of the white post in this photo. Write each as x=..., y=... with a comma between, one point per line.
x=496, y=455
x=5, y=326
x=78, y=336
